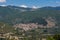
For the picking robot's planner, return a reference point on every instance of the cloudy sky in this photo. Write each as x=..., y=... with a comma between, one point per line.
x=31, y=3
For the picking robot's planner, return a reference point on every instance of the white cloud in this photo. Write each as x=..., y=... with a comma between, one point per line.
x=3, y=5
x=35, y=7
x=23, y=6
x=2, y=1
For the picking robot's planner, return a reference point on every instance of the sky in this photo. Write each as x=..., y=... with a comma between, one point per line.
x=31, y=3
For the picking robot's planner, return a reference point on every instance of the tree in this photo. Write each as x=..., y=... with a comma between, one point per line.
x=50, y=38
x=56, y=37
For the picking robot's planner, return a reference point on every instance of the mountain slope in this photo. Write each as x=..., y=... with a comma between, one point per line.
x=14, y=14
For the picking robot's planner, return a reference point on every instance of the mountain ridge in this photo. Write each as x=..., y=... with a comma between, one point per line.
x=11, y=13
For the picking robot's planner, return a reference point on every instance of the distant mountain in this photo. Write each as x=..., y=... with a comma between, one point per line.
x=17, y=8
x=16, y=15
x=51, y=8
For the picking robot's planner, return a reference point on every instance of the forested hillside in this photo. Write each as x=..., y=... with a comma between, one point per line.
x=15, y=15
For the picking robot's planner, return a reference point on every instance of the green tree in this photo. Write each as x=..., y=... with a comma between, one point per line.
x=56, y=37
x=50, y=38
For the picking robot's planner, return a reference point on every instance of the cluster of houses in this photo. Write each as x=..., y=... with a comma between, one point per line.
x=8, y=36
